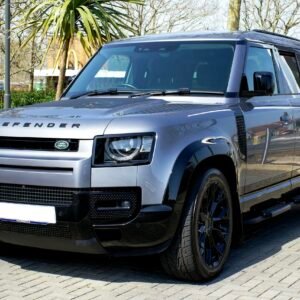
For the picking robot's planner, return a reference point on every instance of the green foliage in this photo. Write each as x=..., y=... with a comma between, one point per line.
x=92, y=22
x=27, y=98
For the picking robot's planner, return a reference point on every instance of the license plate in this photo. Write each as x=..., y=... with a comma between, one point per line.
x=23, y=213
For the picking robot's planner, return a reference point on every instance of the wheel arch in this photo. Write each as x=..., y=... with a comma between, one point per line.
x=194, y=160
x=225, y=164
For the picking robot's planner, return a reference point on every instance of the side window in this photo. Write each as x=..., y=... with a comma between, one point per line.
x=290, y=69
x=258, y=60
x=113, y=73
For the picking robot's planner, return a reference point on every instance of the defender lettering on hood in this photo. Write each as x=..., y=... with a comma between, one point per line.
x=40, y=125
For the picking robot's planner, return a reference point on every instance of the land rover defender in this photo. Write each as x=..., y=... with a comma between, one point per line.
x=164, y=144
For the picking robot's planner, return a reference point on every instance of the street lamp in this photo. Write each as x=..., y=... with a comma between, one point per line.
x=7, y=94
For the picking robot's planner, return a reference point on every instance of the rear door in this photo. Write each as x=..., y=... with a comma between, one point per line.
x=289, y=62
x=269, y=124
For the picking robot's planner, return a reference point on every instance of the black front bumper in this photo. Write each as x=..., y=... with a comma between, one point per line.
x=98, y=221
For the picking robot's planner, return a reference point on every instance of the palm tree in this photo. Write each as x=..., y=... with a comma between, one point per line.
x=93, y=22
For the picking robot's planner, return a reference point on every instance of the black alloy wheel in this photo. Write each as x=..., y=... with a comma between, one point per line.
x=214, y=224
x=202, y=244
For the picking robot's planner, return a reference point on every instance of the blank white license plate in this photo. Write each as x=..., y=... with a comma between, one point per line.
x=23, y=213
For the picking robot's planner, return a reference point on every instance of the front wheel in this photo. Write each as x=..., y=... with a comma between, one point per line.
x=202, y=244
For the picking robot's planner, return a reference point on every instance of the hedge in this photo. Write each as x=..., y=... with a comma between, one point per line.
x=26, y=98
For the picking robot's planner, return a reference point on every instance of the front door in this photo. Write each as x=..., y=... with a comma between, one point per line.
x=269, y=124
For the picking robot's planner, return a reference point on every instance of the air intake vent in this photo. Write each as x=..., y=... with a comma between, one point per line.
x=241, y=130
x=115, y=205
x=59, y=197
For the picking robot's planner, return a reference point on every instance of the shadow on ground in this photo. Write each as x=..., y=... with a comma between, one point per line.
x=260, y=243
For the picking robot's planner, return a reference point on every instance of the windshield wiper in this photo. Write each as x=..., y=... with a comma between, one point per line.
x=180, y=92
x=100, y=93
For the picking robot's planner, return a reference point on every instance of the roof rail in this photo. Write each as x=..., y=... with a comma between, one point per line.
x=275, y=34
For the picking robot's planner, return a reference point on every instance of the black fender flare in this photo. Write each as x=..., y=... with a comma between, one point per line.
x=184, y=169
x=190, y=158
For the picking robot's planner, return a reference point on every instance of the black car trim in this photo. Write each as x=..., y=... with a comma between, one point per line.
x=90, y=246
x=241, y=131
x=37, y=144
x=32, y=168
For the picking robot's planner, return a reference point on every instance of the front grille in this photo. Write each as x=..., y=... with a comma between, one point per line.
x=38, y=144
x=37, y=195
x=59, y=231
x=106, y=205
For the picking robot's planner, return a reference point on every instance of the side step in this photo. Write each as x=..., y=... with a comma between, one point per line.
x=296, y=199
x=273, y=211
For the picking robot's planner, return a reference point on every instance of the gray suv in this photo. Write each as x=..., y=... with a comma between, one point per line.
x=164, y=144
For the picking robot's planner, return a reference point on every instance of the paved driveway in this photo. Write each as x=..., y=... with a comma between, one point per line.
x=266, y=266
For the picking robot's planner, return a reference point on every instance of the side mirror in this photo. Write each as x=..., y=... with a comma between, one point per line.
x=264, y=83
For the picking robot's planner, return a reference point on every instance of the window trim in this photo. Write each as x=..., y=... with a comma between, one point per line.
x=275, y=65
x=284, y=52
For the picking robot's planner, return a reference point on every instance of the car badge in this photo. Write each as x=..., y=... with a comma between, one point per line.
x=62, y=145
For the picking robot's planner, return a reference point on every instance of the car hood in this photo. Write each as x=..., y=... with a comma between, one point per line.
x=85, y=118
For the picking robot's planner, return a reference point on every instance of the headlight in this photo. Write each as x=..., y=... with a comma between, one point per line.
x=135, y=149
x=123, y=149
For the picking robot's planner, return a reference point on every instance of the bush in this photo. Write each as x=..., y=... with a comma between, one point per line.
x=26, y=98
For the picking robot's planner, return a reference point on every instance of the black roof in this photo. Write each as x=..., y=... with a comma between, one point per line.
x=254, y=35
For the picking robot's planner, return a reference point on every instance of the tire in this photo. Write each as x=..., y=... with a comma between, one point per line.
x=202, y=243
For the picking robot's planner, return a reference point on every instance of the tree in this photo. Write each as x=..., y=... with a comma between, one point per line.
x=279, y=16
x=157, y=16
x=23, y=60
x=92, y=22
x=234, y=13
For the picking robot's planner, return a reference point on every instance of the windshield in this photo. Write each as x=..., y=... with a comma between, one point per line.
x=156, y=66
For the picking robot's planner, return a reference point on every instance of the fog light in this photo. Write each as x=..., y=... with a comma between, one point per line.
x=126, y=204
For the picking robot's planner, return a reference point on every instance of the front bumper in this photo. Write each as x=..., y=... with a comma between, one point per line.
x=98, y=221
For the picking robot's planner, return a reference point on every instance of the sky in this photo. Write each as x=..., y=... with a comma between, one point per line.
x=220, y=19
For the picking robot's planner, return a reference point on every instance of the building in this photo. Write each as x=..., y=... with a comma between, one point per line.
x=47, y=75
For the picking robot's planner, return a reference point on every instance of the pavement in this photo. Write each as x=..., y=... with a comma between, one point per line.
x=265, y=266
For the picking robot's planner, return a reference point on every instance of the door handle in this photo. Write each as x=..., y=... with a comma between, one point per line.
x=285, y=119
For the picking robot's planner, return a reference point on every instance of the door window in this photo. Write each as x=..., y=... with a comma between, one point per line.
x=258, y=60
x=290, y=68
